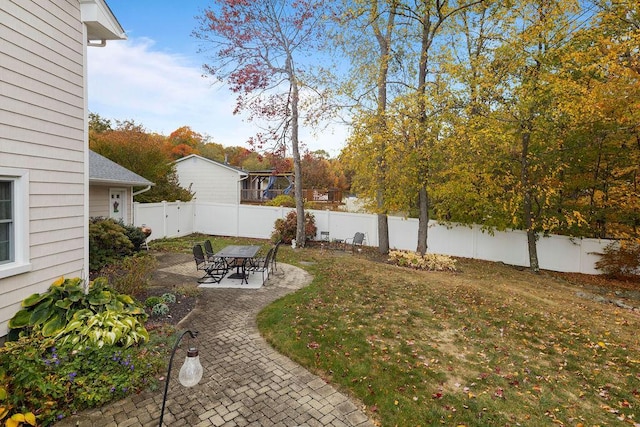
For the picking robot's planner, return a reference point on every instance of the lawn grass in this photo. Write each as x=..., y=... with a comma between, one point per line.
x=185, y=244
x=488, y=345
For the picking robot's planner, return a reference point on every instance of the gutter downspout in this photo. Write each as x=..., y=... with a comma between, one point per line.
x=144, y=190
x=101, y=43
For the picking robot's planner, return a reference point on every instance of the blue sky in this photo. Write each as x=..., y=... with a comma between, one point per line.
x=155, y=78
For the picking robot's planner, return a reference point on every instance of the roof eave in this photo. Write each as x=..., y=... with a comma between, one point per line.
x=102, y=25
x=233, y=168
x=117, y=182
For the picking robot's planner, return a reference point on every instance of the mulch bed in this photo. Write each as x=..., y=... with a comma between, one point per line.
x=177, y=311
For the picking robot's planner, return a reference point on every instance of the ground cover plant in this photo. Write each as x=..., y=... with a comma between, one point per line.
x=489, y=344
x=69, y=350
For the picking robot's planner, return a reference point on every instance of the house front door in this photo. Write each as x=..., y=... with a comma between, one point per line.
x=117, y=204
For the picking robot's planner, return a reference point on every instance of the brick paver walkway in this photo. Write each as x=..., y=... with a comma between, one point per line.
x=245, y=383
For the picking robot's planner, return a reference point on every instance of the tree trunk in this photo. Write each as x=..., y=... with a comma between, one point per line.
x=384, y=43
x=527, y=202
x=423, y=167
x=423, y=221
x=297, y=170
x=383, y=233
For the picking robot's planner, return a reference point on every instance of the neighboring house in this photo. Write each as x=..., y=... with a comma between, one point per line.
x=111, y=189
x=210, y=181
x=44, y=179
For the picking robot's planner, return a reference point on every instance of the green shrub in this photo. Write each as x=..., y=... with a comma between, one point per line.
x=151, y=301
x=282, y=200
x=620, y=260
x=160, y=309
x=65, y=312
x=285, y=228
x=434, y=262
x=108, y=243
x=134, y=234
x=131, y=275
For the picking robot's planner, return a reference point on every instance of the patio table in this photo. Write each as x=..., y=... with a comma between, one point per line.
x=242, y=253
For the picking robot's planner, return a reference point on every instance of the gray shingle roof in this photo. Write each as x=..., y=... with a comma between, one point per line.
x=104, y=171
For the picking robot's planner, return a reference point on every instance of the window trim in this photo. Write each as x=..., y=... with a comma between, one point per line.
x=21, y=262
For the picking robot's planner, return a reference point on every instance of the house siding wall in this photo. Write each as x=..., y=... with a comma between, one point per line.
x=42, y=130
x=210, y=182
x=99, y=201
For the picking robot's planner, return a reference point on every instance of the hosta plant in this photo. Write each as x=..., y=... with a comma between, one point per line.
x=434, y=262
x=66, y=310
x=49, y=311
x=108, y=327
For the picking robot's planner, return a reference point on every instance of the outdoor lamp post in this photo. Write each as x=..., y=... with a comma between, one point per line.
x=190, y=373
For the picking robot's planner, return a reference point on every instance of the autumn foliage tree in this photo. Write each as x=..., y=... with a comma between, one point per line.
x=148, y=155
x=258, y=49
x=526, y=117
x=184, y=141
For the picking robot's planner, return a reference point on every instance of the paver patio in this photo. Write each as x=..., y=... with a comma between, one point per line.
x=245, y=382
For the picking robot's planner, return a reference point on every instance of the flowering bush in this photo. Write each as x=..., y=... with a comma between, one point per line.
x=434, y=262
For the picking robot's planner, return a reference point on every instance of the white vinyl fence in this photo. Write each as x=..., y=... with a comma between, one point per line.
x=557, y=253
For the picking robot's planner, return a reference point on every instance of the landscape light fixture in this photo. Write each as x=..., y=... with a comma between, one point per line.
x=190, y=372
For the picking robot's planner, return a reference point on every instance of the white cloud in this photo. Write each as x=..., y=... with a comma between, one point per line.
x=162, y=92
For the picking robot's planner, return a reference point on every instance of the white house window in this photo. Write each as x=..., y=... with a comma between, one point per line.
x=14, y=222
x=7, y=235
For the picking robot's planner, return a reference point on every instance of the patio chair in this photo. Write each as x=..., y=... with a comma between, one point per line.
x=274, y=260
x=262, y=265
x=213, y=271
x=208, y=249
x=211, y=258
x=356, y=242
x=324, y=238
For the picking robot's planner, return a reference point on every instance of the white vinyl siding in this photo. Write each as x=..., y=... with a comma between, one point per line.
x=210, y=181
x=99, y=202
x=42, y=130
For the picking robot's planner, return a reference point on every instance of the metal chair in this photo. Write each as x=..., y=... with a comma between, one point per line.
x=356, y=242
x=208, y=249
x=274, y=257
x=262, y=265
x=213, y=271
